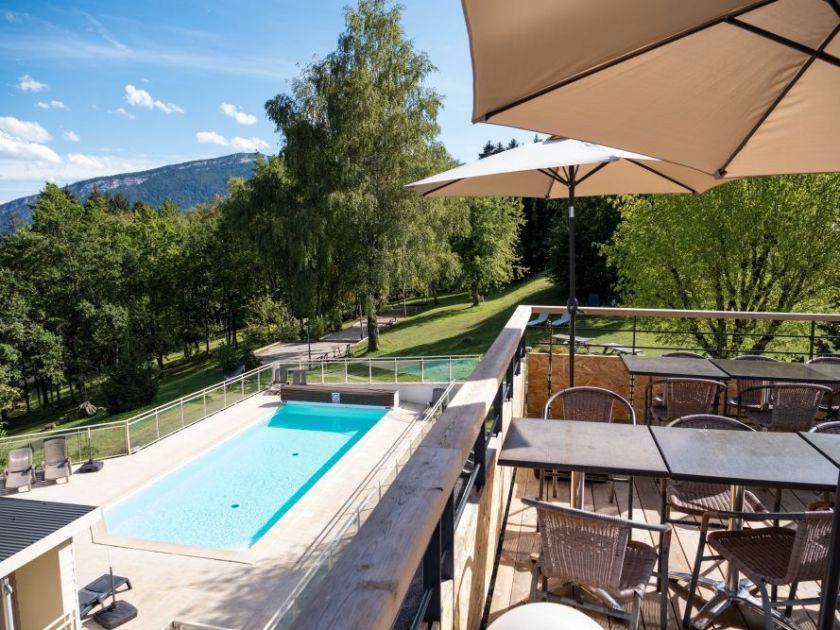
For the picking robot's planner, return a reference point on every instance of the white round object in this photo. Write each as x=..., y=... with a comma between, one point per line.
x=544, y=616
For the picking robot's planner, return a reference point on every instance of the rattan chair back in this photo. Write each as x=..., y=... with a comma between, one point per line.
x=753, y=397
x=687, y=396
x=589, y=404
x=581, y=547
x=827, y=427
x=684, y=354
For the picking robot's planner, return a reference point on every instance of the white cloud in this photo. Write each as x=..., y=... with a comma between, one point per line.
x=86, y=161
x=237, y=114
x=51, y=105
x=27, y=84
x=72, y=136
x=248, y=144
x=141, y=98
x=122, y=112
x=10, y=17
x=20, y=149
x=23, y=129
x=237, y=142
x=211, y=137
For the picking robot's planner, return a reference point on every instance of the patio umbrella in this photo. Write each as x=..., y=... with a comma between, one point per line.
x=565, y=169
x=732, y=87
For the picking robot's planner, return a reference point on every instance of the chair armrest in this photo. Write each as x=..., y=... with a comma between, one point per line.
x=750, y=516
x=651, y=527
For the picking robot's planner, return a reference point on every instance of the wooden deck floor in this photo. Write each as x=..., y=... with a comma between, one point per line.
x=513, y=576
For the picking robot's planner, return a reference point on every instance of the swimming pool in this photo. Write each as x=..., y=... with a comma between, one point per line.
x=230, y=496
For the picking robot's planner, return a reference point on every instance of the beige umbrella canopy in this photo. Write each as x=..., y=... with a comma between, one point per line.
x=726, y=86
x=563, y=169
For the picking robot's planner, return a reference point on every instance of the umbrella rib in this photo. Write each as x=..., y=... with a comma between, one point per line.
x=819, y=53
x=775, y=103
x=555, y=176
x=442, y=186
x=663, y=176
x=834, y=4
x=626, y=57
x=592, y=172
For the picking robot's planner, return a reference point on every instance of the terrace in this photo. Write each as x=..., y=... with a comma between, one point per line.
x=450, y=543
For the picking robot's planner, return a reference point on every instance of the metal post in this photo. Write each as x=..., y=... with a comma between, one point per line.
x=509, y=379
x=832, y=571
x=573, y=303
x=127, y=438
x=346, y=379
x=242, y=381
x=450, y=369
x=634, y=333
x=90, y=447
x=323, y=378
x=224, y=394
x=447, y=526
x=422, y=370
x=259, y=387
x=157, y=423
x=432, y=577
x=396, y=380
x=811, y=340
x=8, y=606
x=182, y=413
x=370, y=372
x=498, y=406
x=480, y=455
x=204, y=401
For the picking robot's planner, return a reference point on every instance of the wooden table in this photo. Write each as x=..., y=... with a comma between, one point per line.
x=828, y=445
x=581, y=447
x=777, y=460
x=775, y=371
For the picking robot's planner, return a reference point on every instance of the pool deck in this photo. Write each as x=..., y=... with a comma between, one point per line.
x=233, y=589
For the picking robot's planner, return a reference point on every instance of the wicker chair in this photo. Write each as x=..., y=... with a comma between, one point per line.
x=682, y=397
x=778, y=556
x=694, y=498
x=589, y=404
x=789, y=407
x=595, y=553
x=831, y=407
x=754, y=400
x=832, y=428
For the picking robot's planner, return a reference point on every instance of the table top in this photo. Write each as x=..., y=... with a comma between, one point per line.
x=747, y=458
x=600, y=447
x=672, y=367
x=826, y=443
x=773, y=371
x=832, y=370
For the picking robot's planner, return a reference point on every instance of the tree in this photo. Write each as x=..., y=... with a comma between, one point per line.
x=760, y=244
x=597, y=219
x=358, y=126
x=488, y=251
x=131, y=380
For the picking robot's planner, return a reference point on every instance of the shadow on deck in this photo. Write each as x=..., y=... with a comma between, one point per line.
x=513, y=575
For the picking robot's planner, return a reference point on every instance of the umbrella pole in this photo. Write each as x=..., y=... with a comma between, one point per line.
x=573, y=303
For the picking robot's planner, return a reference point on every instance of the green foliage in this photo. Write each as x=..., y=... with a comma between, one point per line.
x=269, y=320
x=358, y=126
x=131, y=381
x=228, y=358
x=761, y=244
x=596, y=221
x=488, y=250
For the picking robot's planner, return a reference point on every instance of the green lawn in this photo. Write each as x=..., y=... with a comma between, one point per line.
x=455, y=326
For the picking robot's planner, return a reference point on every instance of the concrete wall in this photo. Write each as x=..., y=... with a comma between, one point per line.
x=45, y=588
x=477, y=533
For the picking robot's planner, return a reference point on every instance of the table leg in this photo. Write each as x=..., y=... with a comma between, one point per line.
x=576, y=483
x=736, y=504
x=832, y=571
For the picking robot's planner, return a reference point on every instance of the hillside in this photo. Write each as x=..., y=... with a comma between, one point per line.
x=187, y=184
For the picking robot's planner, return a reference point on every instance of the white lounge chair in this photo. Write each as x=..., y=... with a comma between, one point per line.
x=56, y=462
x=20, y=473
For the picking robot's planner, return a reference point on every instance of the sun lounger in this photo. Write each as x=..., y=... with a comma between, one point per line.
x=563, y=320
x=20, y=473
x=56, y=462
x=539, y=321
x=98, y=591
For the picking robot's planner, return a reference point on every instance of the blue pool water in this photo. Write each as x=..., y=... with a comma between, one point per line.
x=230, y=496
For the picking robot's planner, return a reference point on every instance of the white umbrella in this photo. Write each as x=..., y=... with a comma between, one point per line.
x=565, y=169
x=736, y=87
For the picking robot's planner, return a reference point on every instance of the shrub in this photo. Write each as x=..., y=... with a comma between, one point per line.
x=228, y=358
x=131, y=381
x=269, y=321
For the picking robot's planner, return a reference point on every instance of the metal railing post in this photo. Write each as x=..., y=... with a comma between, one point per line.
x=450, y=369
x=634, y=335
x=259, y=387
x=811, y=340
x=346, y=377
x=127, y=438
x=242, y=381
x=204, y=401
x=498, y=406
x=370, y=372
x=157, y=424
x=396, y=380
x=224, y=394
x=323, y=380
x=422, y=370
x=90, y=446
x=182, y=413
x=480, y=451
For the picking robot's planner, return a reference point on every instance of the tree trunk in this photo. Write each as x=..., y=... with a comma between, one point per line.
x=476, y=296
x=435, y=296
x=80, y=385
x=372, y=326
x=160, y=360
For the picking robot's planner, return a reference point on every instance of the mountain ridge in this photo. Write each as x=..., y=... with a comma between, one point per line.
x=186, y=183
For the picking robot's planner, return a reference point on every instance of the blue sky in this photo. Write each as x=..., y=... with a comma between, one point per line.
x=95, y=88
